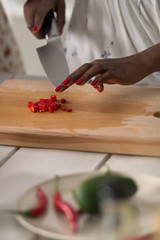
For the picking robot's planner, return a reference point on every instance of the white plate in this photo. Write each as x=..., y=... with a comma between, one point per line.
x=55, y=226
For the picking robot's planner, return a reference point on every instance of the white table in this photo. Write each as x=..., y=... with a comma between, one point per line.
x=21, y=168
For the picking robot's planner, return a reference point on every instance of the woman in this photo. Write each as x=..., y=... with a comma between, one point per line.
x=10, y=59
x=119, y=40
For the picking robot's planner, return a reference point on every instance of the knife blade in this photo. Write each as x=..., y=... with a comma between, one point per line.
x=52, y=55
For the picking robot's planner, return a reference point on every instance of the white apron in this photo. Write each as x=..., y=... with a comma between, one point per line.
x=111, y=29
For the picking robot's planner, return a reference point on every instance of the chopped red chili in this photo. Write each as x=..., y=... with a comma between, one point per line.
x=63, y=100
x=29, y=104
x=34, y=108
x=58, y=105
x=50, y=109
x=55, y=107
x=63, y=109
x=54, y=98
x=47, y=105
x=43, y=100
x=43, y=107
x=69, y=110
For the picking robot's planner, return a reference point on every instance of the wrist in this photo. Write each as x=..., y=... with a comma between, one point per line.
x=150, y=59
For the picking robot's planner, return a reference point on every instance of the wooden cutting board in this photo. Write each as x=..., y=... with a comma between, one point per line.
x=119, y=120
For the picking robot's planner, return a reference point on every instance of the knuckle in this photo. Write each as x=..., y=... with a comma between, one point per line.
x=86, y=65
x=27, y=5
x=96, y=61
x=111, y=73
x=102, y=79
x=39, y=35
x=72, y=76
x=100, y=65
x=88, y=75
x=26, y=9
x=40, y=13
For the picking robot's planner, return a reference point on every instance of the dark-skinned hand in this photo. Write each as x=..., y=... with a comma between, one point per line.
x=124, y=71
x=35, y=12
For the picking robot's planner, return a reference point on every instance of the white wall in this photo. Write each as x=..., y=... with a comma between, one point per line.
x=27, y=42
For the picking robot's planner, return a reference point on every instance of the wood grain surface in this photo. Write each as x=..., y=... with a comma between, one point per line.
x=119, y=120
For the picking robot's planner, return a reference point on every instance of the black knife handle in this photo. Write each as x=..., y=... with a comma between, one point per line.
x=46, y=26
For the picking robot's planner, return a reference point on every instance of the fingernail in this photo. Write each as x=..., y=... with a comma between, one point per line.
x=58, y=88
x=35, y=29
x=61, y=31
x=94, y=82
x=80, y=81
x=66, y=81
x=98, y=88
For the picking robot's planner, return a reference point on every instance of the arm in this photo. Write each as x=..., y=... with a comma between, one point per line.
x=123, y=71
x=35, y=12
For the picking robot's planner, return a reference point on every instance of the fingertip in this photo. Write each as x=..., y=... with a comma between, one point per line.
x=35, y=28
x=61, y=31
x=94, y=82
x=66, y=82
x=99, y=88
x=58, y=88
x=80, y=81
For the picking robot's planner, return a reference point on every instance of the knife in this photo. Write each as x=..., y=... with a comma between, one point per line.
x=52, y=55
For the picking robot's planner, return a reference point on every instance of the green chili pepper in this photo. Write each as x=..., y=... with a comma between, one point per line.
x=92, y=191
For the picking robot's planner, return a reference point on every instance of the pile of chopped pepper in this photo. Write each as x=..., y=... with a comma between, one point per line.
x=48, y=105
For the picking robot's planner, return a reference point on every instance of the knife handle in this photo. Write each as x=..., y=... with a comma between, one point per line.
x=49, y=27
x=46, y=26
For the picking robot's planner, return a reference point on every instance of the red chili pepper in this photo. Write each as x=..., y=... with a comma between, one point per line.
x=63, y=109
x=36, y=103
x=29, y=104
x=34, y=108
x=54, y=98
x=43, y=100
x=48, y=100
x=42, y=107
x=55, y=107
x=65, y=208
x=50, y=109
x=35, y=211
x=58, y=105
x=69, y=110
x=63, y=100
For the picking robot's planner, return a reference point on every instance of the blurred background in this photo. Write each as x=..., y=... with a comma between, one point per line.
x=26, y=41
